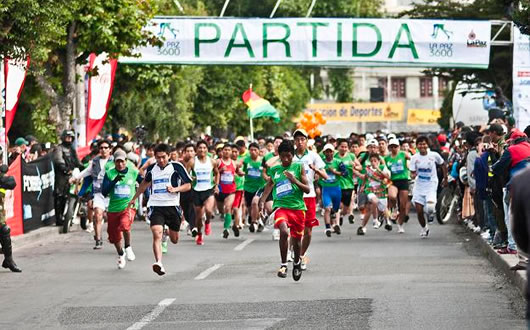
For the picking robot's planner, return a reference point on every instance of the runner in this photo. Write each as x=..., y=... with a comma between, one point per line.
x=227, y=188
x=119, y=183
x=252, y=166
x=312, y=163
x=375, y=177
x=96, y=169
x=166, y=180
x=267, y=162
x=186, y=199
x=346, y=181
x=331, y=192
x=397, y=161
x=205, y=173
x=288, y=183
x=423, y=169
x=237, y=206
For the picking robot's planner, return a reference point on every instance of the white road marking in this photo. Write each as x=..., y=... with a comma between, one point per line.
x=241, y=246
x=153, y=315
x=207, y=272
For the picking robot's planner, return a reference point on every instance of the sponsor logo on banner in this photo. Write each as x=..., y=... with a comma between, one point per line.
x=523, y=74
x=444, y=48
x=473, y=42
x=359, y=112
x=423, y=117
x=169, y=34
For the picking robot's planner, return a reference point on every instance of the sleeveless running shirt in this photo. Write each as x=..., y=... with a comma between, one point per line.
x=227, y=184
x=204, y=174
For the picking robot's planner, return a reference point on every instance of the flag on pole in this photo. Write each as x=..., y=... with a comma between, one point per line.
x=99, y=93
x=15, y=76
x=258, y=106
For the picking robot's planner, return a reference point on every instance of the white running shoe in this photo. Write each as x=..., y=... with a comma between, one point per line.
x=424, y=232
x=290, y=256
x=305, y=261
x=159, y=268
x=130, y=254
x=377, y=224
x=276, y=235
x=90, y=227
x=401, y=229
x=121, y=261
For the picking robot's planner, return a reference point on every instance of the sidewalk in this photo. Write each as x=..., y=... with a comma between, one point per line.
x=37, y=236
x=503, y=262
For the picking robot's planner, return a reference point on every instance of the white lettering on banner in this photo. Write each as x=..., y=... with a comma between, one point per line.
x=318, y=41
x=32, y=183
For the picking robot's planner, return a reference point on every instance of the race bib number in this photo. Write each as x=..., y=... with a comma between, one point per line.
x=254, y=172
x=284, y=188
x=227, y=178
x=331, y=178
x=160, y=185
x=397, y=167
x=122, y=191
x=203, y=177
x=424, y=178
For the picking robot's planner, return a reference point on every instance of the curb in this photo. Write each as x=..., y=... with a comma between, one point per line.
x=503, y=262
x=37, y=236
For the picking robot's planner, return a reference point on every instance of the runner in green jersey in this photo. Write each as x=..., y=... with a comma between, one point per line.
x=331, y=192
x=288, y=184
x=119, y=184
x=397, y=162
x=269, y=158
x=347, y=185
x=252, y=166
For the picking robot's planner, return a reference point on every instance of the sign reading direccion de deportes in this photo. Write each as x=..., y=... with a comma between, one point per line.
x=358, y=112
x=318, y=41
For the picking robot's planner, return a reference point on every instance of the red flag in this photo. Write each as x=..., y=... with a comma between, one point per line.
x=15, y=76
x=99, y=93
x=13, y=200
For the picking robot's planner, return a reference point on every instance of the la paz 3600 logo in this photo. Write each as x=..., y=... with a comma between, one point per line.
x=169, y=35
x=443, y=47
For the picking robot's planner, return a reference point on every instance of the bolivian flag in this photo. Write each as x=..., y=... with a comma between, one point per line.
x=258, y=106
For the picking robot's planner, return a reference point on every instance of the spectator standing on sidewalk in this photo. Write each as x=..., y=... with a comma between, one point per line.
x=6, y=183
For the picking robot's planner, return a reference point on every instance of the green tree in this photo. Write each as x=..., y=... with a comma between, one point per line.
x=499, y=72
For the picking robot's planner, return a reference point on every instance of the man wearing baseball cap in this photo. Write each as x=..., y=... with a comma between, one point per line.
x=119, y=184
x=312, y=164
x=397, y=162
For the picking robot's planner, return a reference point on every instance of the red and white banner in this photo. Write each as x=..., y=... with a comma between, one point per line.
x=99, y=93
x=13, y=200
x=15, y=75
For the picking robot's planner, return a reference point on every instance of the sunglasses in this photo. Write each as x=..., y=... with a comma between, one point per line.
x=103, y=148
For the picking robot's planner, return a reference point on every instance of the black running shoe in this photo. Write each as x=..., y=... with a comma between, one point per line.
x=260, y=228
x=341, y=220
x=251, y=228
x=225, y=233
x=99, y=245
x=297, y=270
x=351, y=218
x=236, y=230
x=282, y=272
x=328, y=232
x=360, y=231
x=194, y=232
x=336, y=229
x=388, y=227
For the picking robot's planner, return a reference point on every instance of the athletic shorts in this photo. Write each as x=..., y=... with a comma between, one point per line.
x=382, y=203
x=260, y=192
x=170, y=216
x=331, y=197
x=293, y=218
x=249, y=196
x=222, y=196
x=119, y=222
x=423, y=199
x=238, y=199
x=100, y=201
x=311, y=213
x=401, y=184
x=346, y=197
x=362, y=199
x=200, y=197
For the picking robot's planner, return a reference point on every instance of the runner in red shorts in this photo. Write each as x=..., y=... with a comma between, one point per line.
x=312, y=164
x=119, y=183
x=288, y=183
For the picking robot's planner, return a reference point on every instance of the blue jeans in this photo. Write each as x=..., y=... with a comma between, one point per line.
x=507, y=216
x=489, y=217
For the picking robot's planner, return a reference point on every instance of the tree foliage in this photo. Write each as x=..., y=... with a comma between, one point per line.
x=499, y=72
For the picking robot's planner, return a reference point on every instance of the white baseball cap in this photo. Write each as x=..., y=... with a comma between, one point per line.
x=329, y=146
x=393, y=142
x=373, y=142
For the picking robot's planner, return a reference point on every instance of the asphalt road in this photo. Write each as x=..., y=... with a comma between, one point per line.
x=383, y=280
